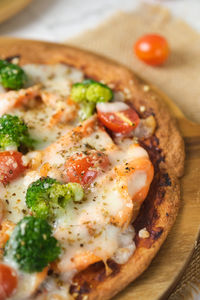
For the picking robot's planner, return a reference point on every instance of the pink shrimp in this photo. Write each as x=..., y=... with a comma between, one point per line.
x=14, y=99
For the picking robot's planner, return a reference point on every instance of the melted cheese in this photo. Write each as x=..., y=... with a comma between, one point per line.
x=122, y=156
x=126, y=246
x=136, y=182
x=98, y=140
x=55, y=78
x=38, y=118
x=112, y=107
x=100, y=224
x=13, y=196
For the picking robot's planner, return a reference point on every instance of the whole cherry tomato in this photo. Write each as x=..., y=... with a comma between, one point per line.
x=152, y=49
x=8, y=281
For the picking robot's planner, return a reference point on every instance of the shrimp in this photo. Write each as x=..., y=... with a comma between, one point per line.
x=83, y=259
x=77, y=140
x=70, y=139
x=66, y=109
x=133, y=180
x=14, y=99
x=80, y=261
x=6, y=229
x=126, y=186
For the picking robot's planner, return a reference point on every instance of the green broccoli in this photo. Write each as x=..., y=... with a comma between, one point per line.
x=98, y=92
x=86, y=110
x=14, y=133
x=11, y=75
x=88, y=94
x=31, y=245
x=88, y=81
x=48, y=198
x=78, y=92
x=3, y=63
x=91, y=91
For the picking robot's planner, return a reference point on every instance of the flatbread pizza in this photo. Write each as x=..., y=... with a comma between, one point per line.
x=90, y=161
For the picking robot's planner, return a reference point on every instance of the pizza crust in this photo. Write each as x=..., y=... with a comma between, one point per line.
x=161, y=211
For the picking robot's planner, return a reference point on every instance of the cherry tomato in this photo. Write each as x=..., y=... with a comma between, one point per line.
x=8, y=281
x=153, y=49
x=122, y=121
x=84, y=169
x=11, y=166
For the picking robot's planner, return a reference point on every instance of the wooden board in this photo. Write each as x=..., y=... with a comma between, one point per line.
x=9, y=8
x=171, y=260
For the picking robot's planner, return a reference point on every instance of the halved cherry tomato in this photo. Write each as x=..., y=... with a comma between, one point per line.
x=119, y=121
x=84, y=169
x=153, y=49
x=11, y=166
x=8, y=281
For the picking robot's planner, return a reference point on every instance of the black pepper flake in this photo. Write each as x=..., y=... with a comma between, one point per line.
x=50, y=272
x=88, y=146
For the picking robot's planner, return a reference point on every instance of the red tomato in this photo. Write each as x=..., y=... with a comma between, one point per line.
x=84, y=169
x=8, y=281
x=153, y=49
x=11, y=166
x=122, y=121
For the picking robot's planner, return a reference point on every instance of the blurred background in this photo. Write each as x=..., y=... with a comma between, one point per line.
x=57, y=20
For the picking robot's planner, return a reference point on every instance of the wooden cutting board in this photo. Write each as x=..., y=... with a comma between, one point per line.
x=166, y=269
x=9, y=8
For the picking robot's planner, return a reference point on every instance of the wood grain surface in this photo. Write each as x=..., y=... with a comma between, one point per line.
x=165, y=270
x=9, y=8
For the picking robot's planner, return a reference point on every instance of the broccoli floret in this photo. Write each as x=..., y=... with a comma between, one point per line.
x=98, y=92
x=88, y=81
x=78, y=92
x=48, y=198
x=88, y=94
x=3, y=63
x=31, y=245
x=91, y=91
x=11, y=75
x=86, y=110
x=14, y=133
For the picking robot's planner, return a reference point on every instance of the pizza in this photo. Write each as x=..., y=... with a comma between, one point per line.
x=90, y=160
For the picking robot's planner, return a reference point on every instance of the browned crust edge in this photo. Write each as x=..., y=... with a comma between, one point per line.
x=170, y=140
